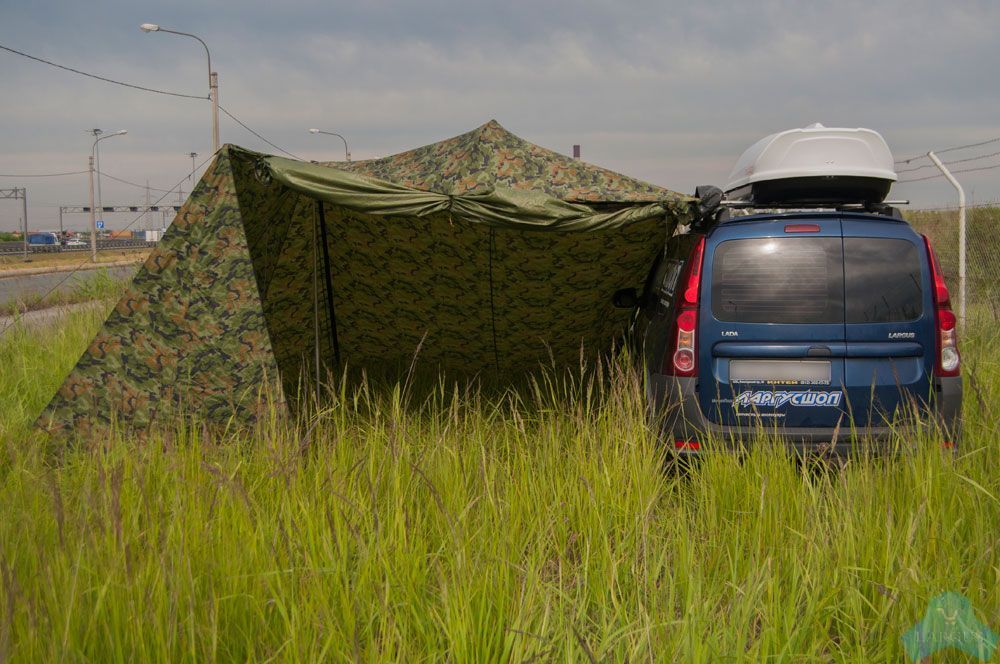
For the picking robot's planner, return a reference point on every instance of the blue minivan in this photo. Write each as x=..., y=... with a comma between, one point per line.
x=801, y=304
x=817, y=324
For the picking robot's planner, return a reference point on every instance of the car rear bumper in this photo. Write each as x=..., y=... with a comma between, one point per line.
x=675, y=409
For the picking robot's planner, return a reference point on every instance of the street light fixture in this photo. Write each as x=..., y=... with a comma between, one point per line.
x=347, y=152
x=96, y=150
x=99, y=136
x=213, y=78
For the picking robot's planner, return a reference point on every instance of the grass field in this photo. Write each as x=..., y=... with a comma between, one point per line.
x=538, y=527
x=71, y=258
x=90, y=285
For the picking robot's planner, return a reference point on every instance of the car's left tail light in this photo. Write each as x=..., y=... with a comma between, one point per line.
x=682, y=360
x=947, y=361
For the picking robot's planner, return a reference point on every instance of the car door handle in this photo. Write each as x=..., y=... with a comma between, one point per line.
x=819, y=351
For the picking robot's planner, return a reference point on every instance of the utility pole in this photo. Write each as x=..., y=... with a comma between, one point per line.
x=99, y=135
x=961, y=236
x=213, y=78
x=213, y=91
x=24, y=200
x=62, y=232
x=22, y=193
x=97, y=161
x=145, y=215
x=93, y=219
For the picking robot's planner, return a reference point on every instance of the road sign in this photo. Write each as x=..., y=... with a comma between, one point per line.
x=99, y=223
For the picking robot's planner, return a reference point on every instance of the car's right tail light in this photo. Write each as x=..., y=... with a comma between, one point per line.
x=682, y=358
x=947, y=359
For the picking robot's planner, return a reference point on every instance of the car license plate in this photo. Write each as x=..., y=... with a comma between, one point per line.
x=783, y=372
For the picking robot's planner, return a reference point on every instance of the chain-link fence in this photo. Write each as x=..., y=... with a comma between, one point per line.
x=982, y=254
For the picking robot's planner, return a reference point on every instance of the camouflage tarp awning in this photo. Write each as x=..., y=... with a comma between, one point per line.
x=489, y=254
x=498, y=206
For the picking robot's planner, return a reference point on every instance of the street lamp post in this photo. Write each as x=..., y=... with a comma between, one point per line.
x=347, y=152
x=213, y=78
x=193, y=155
x=96, y=151
x=99, y=136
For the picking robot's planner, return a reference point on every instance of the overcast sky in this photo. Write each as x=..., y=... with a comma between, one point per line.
x=669, y=92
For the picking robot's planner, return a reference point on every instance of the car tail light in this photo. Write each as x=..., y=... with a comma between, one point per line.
x=682, y=360
x=687, y=445
x=947, y=359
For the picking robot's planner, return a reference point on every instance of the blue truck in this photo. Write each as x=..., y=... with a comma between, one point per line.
x=43, y=238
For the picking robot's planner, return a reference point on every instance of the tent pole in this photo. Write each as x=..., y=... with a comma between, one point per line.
x=316, y=304
x=329, y=284
x=493, y=311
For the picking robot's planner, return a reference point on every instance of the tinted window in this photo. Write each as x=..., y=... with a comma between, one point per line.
x=882, y=279
x=779, y=280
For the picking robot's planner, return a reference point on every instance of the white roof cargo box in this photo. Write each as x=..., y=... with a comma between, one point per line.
x=816, y=164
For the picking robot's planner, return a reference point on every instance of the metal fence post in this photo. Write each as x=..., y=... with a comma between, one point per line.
x=961, y=236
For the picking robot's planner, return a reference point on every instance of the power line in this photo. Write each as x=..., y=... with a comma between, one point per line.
x=948, y=163
x=101, y=173
x=941, y=175
x=100, y=78
x=40, y=175
x=952, y=149
x=140, y=87
x=241, y=123
x=970, y=145
x=953, y=206
x=135, y=184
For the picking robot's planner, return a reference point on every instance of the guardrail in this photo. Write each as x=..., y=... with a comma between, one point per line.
x=8, y=248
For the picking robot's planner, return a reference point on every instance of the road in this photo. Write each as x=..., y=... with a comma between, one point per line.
x=36, y=285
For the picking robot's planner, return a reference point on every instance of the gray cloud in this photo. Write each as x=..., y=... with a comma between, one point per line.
x=670, y=93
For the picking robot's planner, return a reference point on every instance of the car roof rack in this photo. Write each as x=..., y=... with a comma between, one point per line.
x=714, y=208
x=840, y=207
x=746, y=208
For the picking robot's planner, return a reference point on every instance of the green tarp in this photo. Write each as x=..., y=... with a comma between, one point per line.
x=487, y=253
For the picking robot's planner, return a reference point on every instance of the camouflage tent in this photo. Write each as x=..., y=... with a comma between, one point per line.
x=486, y=252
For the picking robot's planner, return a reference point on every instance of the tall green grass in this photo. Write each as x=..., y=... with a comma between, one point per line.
x=96, y=285
x=542, y=525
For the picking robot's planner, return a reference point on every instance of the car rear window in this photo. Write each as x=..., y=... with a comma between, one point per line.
x=779, y=280
x=882, y=282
